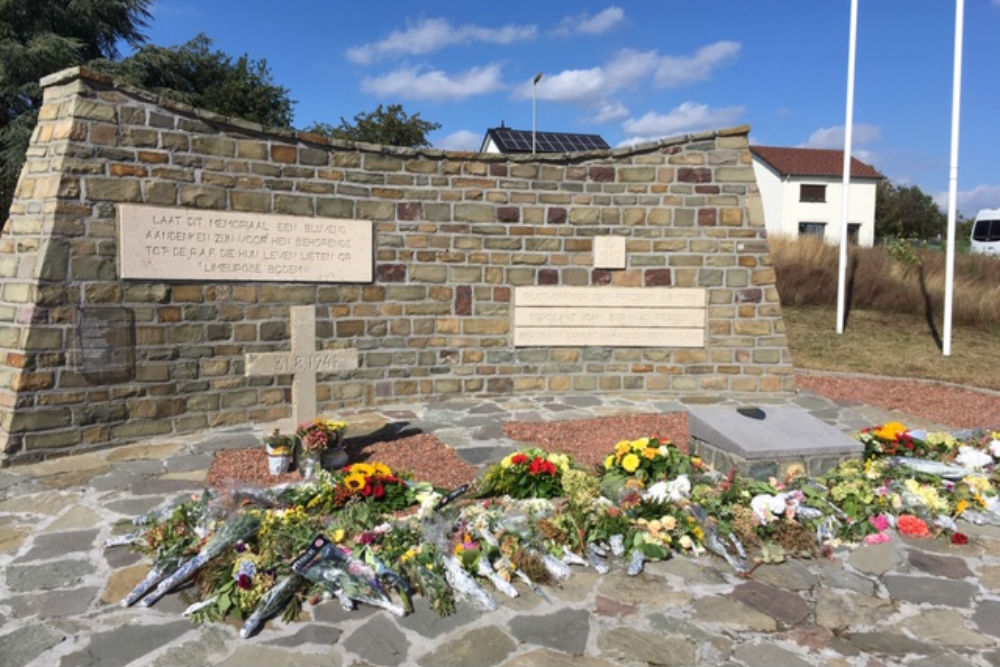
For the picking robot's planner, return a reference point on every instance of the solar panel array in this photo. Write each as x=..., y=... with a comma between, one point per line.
x=519, y=141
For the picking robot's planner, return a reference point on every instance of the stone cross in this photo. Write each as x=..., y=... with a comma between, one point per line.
x=303, y=362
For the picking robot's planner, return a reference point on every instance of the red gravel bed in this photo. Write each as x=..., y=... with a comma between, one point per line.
x=956, y=407
x=427, y=457
x=589, y=441
x=245, y=466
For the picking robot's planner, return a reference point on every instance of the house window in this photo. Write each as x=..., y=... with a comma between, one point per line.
x=853, y=229
x=812, y=193
x=811, y=229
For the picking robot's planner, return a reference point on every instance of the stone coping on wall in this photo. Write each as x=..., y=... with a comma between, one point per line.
x=71, y=74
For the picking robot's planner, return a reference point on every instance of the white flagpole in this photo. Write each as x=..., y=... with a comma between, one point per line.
x=956, y=103
x=846, y=181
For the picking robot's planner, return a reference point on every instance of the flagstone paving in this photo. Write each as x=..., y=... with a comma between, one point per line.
x=906, y=602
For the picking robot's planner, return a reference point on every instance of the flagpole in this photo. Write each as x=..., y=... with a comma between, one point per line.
x=846, y=181
x=956, y=103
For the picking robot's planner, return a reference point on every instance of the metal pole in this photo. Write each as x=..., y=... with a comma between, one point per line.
x=846, y=181
x=956, y=103
x=534, y=109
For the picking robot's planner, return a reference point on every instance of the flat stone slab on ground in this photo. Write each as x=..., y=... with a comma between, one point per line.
x=787, y=431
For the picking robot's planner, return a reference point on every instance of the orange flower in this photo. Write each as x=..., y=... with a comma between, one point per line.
x=913, y=526
x=651, y=452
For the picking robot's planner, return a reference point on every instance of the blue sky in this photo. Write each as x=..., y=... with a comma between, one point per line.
x=636, y=71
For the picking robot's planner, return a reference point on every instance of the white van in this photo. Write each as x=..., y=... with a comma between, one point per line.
x=986, y=232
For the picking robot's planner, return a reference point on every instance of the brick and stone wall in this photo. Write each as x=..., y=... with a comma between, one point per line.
x=455, y=233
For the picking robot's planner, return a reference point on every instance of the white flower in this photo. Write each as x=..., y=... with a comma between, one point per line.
x=659, y=492
x=995, y=448
x=970, y=457
x=680, y=488
x=686, y=541
x=764, y=504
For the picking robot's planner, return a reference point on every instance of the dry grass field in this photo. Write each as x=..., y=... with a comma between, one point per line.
x=894, y=313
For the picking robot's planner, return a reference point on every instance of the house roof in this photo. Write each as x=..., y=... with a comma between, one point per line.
x=509, y=140
x=812, y=162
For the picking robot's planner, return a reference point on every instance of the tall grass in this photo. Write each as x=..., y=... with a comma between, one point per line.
x=807, y=276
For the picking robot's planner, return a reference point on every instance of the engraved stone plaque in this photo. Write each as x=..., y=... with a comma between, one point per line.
x=610, y=316
x=187, y=244
x=609, y=252
x=105, y=343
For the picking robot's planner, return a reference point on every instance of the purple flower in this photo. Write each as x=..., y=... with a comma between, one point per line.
x=245, y=582
x=240, y=547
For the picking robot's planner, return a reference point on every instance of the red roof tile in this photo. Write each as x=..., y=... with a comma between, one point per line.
x=812, y=162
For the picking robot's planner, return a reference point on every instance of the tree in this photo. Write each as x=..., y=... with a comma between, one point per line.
x=195, y=74
x=907, y=212
x=38, y=37
x=390, y=126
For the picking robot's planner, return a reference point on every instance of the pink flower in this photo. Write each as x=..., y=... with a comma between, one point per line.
x=880, y=522
x=877, y=538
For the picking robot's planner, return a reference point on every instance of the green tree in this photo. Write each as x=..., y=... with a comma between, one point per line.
x=38, y=37
x=390, y=126
x=907, y=212
x=195, y=74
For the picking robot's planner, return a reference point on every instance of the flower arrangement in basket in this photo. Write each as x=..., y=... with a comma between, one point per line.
x=321, y=445
x=280, y=452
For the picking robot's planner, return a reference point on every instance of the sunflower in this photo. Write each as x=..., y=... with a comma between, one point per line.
x=355, y=481
x=381, y=470
x=365, y=469
x=630, y=462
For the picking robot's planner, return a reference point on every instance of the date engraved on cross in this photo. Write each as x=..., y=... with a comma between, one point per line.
x=303, y=362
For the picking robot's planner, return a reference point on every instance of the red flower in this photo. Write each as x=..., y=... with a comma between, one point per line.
x=367, y=491
x=913, y=526
x=518, y=459
x=245, y=582
x=959, y=538
x=379, y=491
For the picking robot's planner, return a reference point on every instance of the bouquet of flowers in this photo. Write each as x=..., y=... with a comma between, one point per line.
x=636, y=464
x=532, y=473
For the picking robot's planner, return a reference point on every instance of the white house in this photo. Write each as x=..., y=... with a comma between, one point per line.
x=801, y=189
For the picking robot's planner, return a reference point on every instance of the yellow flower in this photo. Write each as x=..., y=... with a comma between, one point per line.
x=630, y=462
x=506, y=461
x=622, y=448
x=891, y=431
x=410, y=554
x=640, y=444
x=365, y=469
x=668, y=522
x=699, y=533
x=963, y=505
x=382, y=470
x=338, y=535
x=608, y=462
x=355, y=481
x=978, y=483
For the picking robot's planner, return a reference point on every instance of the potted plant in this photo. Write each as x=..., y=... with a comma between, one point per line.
x=321, y=445
x=280, y=449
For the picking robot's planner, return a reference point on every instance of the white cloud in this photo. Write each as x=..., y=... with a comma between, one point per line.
x=673, y=71
x=688, y=117
x=591, y=25
x=431, y=34
x=628, y=69
x=833, y=137
x=609, y=112
x=971, y=201
x=462, y=140
x=417, y=84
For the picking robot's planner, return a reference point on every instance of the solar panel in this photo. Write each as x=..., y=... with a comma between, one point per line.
x=519, y=141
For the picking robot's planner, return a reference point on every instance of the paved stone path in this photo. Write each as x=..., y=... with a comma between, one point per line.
x=913, y=603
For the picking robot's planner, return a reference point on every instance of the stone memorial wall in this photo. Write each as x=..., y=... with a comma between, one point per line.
x=152, y=246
